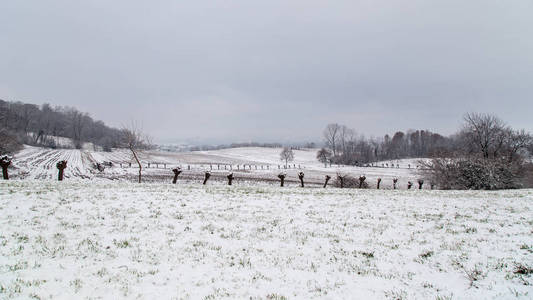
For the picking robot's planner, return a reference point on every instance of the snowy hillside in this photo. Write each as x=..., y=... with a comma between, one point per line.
x=247, y=163
x=118, y=240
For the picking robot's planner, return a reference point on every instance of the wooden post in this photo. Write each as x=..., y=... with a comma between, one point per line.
x=230, y=178
x=206, y=176
x=5, y=162
x=281, y=177
x=301, y=177
x=379, y=182
x=327, y=179
x=177, y=171
x=62, y=165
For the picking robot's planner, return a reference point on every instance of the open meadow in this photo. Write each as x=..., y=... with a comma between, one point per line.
x=101, y=239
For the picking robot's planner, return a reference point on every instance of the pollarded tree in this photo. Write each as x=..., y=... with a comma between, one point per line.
x=286, y=155
x=5, y=162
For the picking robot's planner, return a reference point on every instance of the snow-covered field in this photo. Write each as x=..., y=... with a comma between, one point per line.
x=252, y=163
x=82, y=239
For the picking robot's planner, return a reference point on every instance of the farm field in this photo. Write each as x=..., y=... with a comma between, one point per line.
x=114, y=240
x=254, y=163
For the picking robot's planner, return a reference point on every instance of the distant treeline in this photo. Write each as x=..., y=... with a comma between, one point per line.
x=345, y=146
x=234, y=145
x=36, y=125
x=485, y=153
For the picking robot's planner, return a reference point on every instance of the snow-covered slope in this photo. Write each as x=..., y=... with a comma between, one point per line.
x=261, y=163
x=74, y=240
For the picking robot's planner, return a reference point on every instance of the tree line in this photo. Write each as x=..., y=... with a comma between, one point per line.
x=485, y=153
x=345, y=146
x=23, y=123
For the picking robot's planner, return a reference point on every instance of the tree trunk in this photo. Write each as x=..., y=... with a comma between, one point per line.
x=327, y=179
x=230, y=178
x=341, y=179
x=177, y=172
x=394, y=181
x=62, y=165
x=301, y=177
x=282, y=179
x=361, y=181
x=5, y=162
x=4, y=172
x=206, y=177
x=379, y=182
x=138, y=162
x=420, y=183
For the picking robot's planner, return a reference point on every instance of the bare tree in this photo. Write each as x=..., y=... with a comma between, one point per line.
x=346, y=136
x=331, y=136
x=8, y=143
x=323, y=155
x=286, y=155
x=134, y=139
x=484, y=134
x=517, y=140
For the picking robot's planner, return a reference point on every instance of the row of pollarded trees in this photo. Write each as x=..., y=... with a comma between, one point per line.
x=342, y=180
x=5, y=162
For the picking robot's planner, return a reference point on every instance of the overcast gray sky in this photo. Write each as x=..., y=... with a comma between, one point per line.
x=271, y=70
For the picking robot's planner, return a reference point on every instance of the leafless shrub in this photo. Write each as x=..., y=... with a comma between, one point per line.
x=348, y=181
x=474, y=173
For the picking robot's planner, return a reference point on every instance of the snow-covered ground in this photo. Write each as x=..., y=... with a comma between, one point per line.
x=247, y=163
x=113, y=240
